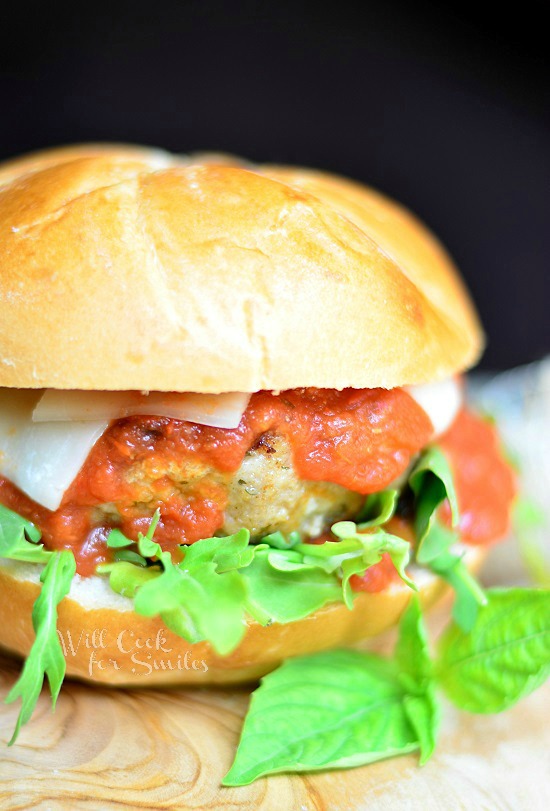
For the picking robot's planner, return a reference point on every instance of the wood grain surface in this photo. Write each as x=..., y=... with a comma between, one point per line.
x=113, y=749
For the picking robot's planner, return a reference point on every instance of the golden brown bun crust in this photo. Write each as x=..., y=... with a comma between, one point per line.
x=261, y=650
x=122, y=268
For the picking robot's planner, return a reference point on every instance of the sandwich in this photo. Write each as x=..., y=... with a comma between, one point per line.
x=233, y=425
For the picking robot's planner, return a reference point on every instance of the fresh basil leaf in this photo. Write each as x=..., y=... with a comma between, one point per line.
x=283, y=595
x=19, y=539
x=412, y=652
x=431, y=482
x=415, y=672
x=46, y=655
x=331, y=710
x=469, y=596
x=505, y=656
x=423, y=714
x=378, y=509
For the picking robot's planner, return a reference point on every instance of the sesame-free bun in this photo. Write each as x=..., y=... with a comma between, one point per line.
x=101, y=627
x=125, y=268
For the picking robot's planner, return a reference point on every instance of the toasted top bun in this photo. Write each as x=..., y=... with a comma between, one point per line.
x=125, y=268
x=105, y=641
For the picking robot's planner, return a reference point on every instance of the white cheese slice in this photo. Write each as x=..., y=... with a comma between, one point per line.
x=441, y=402
x=42, y=459
x=45, y=437
x=217, y=410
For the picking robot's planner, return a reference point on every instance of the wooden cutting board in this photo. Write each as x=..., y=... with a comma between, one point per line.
x=113, y=749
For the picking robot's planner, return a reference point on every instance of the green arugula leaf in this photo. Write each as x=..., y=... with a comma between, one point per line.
x=331, y=710
x=125, y=577
x=431, y=482
x=130, y=556
x=117, y=540
x=228, y=553
x=372, y=545
x=201, y=597
x=415, y=672
x=279, y=540
x=19, y=539
x=46, y=655
x=378, y=509
x=504, y=657
x=198, y=604
x=280, y=594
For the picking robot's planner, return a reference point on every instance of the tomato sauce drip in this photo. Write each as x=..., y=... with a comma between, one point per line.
x=485, y=483
x=485, y=486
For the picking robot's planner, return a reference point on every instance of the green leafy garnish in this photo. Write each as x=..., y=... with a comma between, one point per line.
x=340, y=709
x=469, y=596
x=46, y=655
x=330, y=710
x=285, y=589
x=357, y=551
x=218, y=581
x=19, y=539
x=416, y=674
x=432, y=483
x=278, y=540
x=125, y=578
x=505, y=656
x=378, y=509
x=345, y=708
x=201, y=597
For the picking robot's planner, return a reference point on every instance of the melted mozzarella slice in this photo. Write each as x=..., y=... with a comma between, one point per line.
x=42, y=459
x=45, y=437
x=216, y=410
x=441, y=402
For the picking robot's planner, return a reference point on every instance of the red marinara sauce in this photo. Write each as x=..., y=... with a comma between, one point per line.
x=485, y=487
x=485, y=483
x=361, y=439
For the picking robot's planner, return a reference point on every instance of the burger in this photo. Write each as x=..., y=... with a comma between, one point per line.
x=233, y=426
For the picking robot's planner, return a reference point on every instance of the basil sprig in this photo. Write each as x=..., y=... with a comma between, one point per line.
x=345, y=708
x=336, y=709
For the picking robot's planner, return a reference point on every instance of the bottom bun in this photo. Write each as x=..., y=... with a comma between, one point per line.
x=105, y=642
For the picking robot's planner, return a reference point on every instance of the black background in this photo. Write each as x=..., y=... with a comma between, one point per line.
x=441, y=107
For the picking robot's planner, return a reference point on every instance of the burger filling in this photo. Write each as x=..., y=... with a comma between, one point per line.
x=297, y=463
